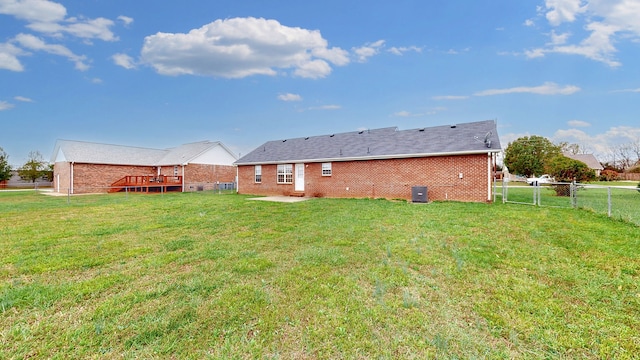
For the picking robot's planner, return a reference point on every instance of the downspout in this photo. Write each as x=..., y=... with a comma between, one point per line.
x=237, y=182
x=71, y=180
x=183, y=178
x=489, y=176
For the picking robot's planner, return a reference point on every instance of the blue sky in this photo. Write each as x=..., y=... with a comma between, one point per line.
x=162, y=73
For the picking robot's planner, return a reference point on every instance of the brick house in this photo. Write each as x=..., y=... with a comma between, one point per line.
x=589, y=159
x=453, y=162
x=86, y=167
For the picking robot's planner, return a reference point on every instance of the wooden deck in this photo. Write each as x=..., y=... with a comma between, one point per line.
x=147, y=183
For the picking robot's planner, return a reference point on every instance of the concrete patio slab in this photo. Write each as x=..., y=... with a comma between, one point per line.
x=285, y=199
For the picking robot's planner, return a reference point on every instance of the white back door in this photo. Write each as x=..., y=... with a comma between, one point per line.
x=299, y=182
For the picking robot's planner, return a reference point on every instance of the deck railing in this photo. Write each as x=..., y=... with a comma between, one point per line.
x=144, y=182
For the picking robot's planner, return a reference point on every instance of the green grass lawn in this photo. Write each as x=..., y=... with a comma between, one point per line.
x=201, y=275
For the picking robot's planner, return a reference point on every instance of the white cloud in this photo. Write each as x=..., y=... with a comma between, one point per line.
x=290, y=97
x=529, y=22
x=9, y=57
x=403, y=114
x=363, y=53
x=124, y=60
x=34, y=43
x=431, y=111
x=401, y=50
x=241, y=47
x=450, y=97
x=558, y=39
x=578, y=123
x=49, y=18
x=89, y=28
x=601, y=144
x=126, y=20
x=563, y=10
x=5, y=105
x=629, y=90
x=22, y=98
x=313, y=69
x=326, y=107
x=609, y=22
x=548, y=88
x=34, y=11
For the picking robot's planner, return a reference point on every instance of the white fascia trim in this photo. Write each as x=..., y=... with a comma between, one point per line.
x=372, y=157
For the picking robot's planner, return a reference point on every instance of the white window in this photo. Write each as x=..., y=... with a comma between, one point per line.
x=326, y=169
x=285, y=174
x=258, y=173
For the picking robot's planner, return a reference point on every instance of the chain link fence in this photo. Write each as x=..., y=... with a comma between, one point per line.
x=619, y=202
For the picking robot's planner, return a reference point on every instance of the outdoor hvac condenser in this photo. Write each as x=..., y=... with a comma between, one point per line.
x=419, y=194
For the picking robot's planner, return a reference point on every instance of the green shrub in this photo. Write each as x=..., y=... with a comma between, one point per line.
x=609, y=175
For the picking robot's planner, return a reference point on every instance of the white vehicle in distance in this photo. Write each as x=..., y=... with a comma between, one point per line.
x=544, y=179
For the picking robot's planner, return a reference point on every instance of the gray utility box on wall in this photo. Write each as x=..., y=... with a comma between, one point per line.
x=419, y=194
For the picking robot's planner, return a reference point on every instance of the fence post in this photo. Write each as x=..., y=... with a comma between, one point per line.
x=505, y=191
x=609, y=201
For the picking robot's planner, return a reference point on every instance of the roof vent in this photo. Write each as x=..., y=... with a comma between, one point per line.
x=361, y=131
x=307, y=138
x=454, y=126
x=332, y=135
x=422, y=130
x=285, y=140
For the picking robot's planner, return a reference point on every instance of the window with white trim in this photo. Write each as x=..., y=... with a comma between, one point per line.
x=326, y=169
x=258, y=173
x=285, y=174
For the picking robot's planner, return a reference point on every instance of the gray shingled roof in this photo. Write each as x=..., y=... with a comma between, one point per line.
x=467, y=138
x=588, y=159
x=96, y=153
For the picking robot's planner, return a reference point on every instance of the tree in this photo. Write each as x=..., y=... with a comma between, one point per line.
x=573, y=149
x=566, y=170
x=5, y=168
x=34, y=168
x=528, y=155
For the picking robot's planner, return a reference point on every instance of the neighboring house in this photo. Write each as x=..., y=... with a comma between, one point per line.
x=86, y=167
x=453, y=162
x=588, y=159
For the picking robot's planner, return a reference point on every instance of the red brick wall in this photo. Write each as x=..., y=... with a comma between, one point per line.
x=204, y=176
x=391, y=179
x=63, y=170
x=95, y=178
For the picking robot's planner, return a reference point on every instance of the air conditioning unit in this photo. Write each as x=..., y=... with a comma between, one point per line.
x=419, y=194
